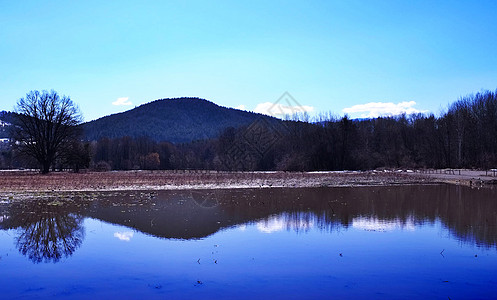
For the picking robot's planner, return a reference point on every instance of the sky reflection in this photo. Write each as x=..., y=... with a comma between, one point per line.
x=377, y=242
x=50, y=222
x=375, y=224
x=124, y=236
x=285, y=222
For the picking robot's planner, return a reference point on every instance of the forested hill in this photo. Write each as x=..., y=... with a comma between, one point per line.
x=6, y=119
x=175, y=120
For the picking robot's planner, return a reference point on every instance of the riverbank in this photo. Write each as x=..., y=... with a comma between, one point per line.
x=32, y=181
x=472, y=178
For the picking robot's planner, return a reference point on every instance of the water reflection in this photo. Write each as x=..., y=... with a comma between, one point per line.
x=295, y=222
x=375, y=224
x=48, y=232
x=124, y=236
x=469, y=214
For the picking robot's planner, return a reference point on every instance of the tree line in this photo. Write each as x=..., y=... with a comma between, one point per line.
x=465, y=136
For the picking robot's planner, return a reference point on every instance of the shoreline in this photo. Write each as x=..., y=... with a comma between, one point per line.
x=33, y=181
x=471, y=178
x=12, y=182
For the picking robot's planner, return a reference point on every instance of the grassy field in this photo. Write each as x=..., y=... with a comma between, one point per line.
x=24, y=181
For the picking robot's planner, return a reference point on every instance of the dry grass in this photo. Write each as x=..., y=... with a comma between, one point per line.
x=17, y=181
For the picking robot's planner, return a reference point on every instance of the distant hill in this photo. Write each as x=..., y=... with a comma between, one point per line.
x=176, y=120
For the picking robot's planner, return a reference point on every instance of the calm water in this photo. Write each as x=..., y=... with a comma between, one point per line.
x=432, y=241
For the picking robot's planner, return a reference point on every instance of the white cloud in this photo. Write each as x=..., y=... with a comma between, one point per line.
x=271, y=225
x=377, y=109
x=279, y=110
x=122, y=101
x=241, y=107
x=279, y=223
x=124, y=236
x=374, y=224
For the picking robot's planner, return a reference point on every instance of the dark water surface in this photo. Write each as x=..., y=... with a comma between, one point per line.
x=405, y=242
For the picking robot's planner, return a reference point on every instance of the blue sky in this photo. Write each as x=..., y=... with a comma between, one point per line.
x=331, y=56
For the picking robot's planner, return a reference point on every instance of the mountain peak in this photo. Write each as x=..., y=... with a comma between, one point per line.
x=177, y=120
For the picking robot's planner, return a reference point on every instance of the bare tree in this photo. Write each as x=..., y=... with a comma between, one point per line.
x=46, y=123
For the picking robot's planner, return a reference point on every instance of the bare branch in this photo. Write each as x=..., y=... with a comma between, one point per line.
x=44, y=124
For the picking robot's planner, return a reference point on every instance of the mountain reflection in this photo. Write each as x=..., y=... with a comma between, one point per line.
x=47, y=230
x=469, y=214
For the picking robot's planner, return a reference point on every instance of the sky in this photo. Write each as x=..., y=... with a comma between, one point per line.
x=361, y=58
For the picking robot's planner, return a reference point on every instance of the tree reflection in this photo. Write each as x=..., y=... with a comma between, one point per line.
x=47, y=231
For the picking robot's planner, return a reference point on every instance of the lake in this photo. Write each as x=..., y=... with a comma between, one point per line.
x=418, y=241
